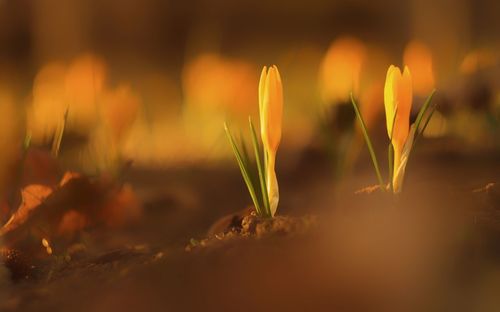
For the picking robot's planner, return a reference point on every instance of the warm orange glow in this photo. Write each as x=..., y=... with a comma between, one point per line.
x=85, y=82
x=418, y=58
x=49, y=101
x=57, y=88
x=120, y=108
x=216, y=83
x=10, y=135
x=340, y=69
x=371, y=103
x=477, y=60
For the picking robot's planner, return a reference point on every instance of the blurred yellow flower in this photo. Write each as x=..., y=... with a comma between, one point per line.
x=398, y=101
x=479, y=59
x=120, y=108
x=271, y=113
x=77, y=88
x=340, y=69
x=418, y=57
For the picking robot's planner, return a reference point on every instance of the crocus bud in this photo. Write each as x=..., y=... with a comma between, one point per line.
x=271, y=112
x=398, y=100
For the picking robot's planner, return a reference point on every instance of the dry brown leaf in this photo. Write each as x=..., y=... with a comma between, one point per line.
x=32, y=197
x=68, y=176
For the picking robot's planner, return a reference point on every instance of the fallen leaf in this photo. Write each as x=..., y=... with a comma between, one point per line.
x=32, y=197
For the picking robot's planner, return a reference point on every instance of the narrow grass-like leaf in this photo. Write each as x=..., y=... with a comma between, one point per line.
x=27, y=141
x=250, y=167
x=260, y=168
x=418, y=134
x=413, y=137
x=368, y=142
x=393, y=122
x=56, y=143
x=244, y=170
x=245, y=156
x=390, y=159
x=433, y=109
x=399, y=173
x=422, y=111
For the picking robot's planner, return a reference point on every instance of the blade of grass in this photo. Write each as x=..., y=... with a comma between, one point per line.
x=27, y=141
x=433, y=109
x=243, y=169
x=415, y=126
x=244, y=152
x=424, y=108
x=260, y=169
x=418, y=134
x=368, y=142
x=250, y=167
x=56, y=143
x=390, y=158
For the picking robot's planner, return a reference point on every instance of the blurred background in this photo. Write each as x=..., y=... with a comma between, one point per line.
x=153, y=80
x=91, y=85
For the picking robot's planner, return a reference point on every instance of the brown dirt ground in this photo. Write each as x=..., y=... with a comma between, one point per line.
x=435, y=248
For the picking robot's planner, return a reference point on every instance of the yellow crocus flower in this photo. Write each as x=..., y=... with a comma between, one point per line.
x=271, y=112
x=418, y=57
x=398, y=100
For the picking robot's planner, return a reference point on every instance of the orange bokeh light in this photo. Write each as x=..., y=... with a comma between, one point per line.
x=418, y=57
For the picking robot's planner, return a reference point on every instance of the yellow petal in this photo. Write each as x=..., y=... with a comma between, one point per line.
x=404, y=97
x=393, y=75
x=272, y=110
x=262, y=84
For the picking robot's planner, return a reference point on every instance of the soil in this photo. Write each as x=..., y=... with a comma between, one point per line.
x=434, y=248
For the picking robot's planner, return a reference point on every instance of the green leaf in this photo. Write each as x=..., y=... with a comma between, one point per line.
x=251, y=169
x=414, y=135
x=426, y=123
x=260, y=169
x=393, y=121
x=27, y=142
x=399, y=173
x=368, y=142
x=425, y=108
x=422, y=111
x=244, y=170
x=58, y=136
x=390, y=158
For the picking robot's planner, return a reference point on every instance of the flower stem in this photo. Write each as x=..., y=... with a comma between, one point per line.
x=368, y=142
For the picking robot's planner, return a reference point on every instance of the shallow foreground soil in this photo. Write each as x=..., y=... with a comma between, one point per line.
x=434, y=248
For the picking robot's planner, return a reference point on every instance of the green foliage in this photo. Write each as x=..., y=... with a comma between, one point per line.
x=253, y=172
x=416, y=131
